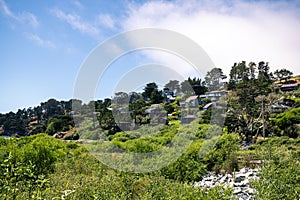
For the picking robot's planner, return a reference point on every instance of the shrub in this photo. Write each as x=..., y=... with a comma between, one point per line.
x=279, y=175
x=222, y=153
x=287, y=122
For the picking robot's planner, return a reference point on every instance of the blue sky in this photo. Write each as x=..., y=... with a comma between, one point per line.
x=44, y=43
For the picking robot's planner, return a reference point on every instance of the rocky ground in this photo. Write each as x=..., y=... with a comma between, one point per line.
x=239, y=181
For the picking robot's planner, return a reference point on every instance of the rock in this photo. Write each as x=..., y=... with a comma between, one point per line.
x=243, y=196
x=239, y=178
x=243, y=170
x=223, y=179
x=239, y=182
x=237, y=190
x=249, y=174
x=250, y=191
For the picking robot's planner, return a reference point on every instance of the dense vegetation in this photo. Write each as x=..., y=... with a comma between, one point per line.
x=42, y=167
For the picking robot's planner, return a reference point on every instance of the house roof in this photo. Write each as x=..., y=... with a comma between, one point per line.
x=289, y=85
x=153, y=107
x=279, y=106
x=191, y=98
x=207, y=105
x=189, y=117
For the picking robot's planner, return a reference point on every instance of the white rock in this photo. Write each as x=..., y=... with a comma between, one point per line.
x=244, y=170
x=250, y=191
x=224, y=178
x=237, y=190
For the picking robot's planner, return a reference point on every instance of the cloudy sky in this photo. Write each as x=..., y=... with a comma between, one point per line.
x=44, y=43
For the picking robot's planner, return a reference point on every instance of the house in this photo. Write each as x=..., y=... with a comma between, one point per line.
x=123, y=118
x=192, y=101
x=169, y=96
x=214, y=95
x=188, y=119
x=124, y=126
x=157, y=114
x=289, y=87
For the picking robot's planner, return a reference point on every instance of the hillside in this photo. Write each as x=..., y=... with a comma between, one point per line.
x=157, y=144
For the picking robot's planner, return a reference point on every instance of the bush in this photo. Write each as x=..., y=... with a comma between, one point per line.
x=288, y=121
x=279, y=175
x=189, y=167
x=40, y=151
x=81, y=176
x=59, y=123
x=222, y=153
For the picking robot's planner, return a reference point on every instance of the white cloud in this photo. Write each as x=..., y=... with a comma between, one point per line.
x=76, y=22
x=6, y=10
x=106, y=20
x=78, y=4
x=24, y=17
x=29, y=18
x=39, y=41
x=229, y=32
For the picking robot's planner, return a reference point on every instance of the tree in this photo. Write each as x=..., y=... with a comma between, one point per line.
x=283, y=74
x=213, y=78
x=59, y=123
x=150, y=87
x=156, y=96
x=252, y=69
x=243, y=116
x=52, y=107
x=133, y=96
x=198, y=85
x=172, y=85
x=233, y=75
x=121, y=98
x=243, y=71
x=240, y=71
x=137, y=108
x=263, y=72
x=186, y=87
x=151, y=93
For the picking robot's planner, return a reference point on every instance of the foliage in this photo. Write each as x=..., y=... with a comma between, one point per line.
x=283, y=74
x=189, y=167
x=81, y=176
x=21, y=181
x=59, y=123
x=223, y=153
x=151, y=93
x=26, y=163
x=197, y=85
x=40, y=151
x=288, y=122
x=280, y=173
x=213, y=79
x=172, y=85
